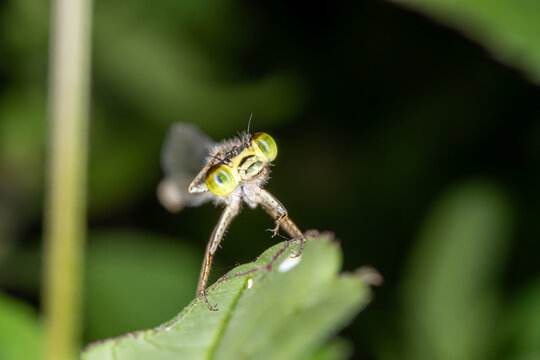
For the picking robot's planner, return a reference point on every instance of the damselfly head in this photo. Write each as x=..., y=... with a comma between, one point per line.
x=239, y=160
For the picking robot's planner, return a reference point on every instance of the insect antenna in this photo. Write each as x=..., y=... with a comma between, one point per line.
x=247, y=135
x=249, y=122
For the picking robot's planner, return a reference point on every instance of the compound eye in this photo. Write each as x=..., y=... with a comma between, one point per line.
x=220, y=180
x=265, y=146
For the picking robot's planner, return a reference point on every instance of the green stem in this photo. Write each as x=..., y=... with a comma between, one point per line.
x=65, y=214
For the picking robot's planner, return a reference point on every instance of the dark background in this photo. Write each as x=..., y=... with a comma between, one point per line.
x=378, y=112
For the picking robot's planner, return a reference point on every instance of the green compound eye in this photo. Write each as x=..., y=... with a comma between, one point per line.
x=265, y=146
x=220, y=180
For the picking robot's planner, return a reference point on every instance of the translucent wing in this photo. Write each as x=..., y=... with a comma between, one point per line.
x=183, y=155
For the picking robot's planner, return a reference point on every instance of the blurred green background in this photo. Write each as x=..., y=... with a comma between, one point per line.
x=412, y=132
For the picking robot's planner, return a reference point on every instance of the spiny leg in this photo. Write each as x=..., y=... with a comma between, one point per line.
x=217, y=235
x=279, y=219
x=275, y=209
x=290, y=228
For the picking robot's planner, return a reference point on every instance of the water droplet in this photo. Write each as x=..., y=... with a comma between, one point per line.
x=289, y=263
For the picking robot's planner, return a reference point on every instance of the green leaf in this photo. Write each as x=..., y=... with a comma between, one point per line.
x=451, y=298
x=509, y=29
x=284, y=313
x=336, y=349
x=20, y=331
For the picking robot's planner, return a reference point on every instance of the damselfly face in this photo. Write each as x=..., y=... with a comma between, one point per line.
x=231, y=172
x=239, y=160
x=227, y=165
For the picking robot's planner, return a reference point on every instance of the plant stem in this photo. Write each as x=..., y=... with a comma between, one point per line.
x=65, y=213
